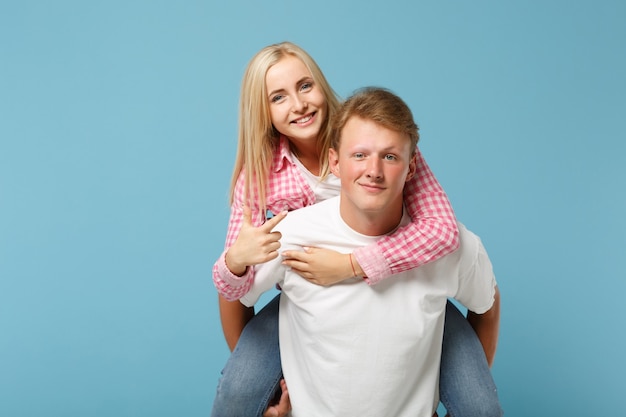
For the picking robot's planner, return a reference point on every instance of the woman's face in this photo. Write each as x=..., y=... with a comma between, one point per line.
x=297, y=105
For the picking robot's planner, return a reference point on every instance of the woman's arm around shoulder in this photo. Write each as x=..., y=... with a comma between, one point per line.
x=432, y=234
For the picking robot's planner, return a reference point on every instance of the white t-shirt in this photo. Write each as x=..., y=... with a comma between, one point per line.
x=357, y=350
x=323, y=190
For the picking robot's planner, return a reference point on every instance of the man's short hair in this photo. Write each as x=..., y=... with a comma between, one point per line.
x=379, y=105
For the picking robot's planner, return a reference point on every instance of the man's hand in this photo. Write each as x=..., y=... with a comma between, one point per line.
x=254, y=245
x=321, y=266
x=284, y=405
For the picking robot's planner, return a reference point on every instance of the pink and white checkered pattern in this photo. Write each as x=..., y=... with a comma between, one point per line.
x=432, y=234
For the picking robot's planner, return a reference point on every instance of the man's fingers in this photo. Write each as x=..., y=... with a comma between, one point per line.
x=271, y=412
x=284, y=404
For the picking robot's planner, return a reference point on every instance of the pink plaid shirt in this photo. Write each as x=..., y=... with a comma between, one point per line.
x=432, y=234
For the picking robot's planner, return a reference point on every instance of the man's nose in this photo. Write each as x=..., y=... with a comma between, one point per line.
x=374, y=168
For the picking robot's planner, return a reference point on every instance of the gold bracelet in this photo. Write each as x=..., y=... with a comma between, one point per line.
x=352, y=265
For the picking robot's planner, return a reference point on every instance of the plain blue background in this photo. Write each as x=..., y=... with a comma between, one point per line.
x=117, y=138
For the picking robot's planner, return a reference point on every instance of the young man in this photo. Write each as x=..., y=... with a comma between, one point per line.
x=355, y=349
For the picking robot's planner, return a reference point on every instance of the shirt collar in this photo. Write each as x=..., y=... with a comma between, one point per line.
x=283, y=155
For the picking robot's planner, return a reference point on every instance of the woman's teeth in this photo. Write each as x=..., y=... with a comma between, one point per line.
x=304, y=119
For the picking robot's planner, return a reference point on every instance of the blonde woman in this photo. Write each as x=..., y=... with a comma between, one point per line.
x=281, y=165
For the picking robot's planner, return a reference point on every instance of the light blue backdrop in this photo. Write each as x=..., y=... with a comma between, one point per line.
x=117, y=137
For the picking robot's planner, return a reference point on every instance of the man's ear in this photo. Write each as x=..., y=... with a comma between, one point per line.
x=333, y=161
x=412, y=168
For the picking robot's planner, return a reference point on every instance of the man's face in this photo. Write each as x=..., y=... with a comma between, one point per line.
x=373, y=164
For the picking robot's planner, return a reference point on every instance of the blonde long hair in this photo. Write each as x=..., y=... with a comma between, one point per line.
x=258, y=139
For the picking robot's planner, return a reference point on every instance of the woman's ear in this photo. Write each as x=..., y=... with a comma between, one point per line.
x=333, y=161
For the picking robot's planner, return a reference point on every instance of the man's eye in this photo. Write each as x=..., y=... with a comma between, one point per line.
x=359, y=155
x=390, y=157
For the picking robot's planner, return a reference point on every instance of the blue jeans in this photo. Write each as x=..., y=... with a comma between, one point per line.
x=253, y=372
x=466, y=387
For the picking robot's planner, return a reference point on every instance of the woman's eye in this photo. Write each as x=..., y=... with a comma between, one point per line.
x=306, y=86
x=276, y=98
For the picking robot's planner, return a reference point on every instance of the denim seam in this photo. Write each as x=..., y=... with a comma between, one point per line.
x=269, y=394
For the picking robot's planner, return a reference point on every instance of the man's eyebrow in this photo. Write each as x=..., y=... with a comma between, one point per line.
x=392, y=149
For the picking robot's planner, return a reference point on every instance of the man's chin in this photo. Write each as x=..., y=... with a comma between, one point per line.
x=372, y=210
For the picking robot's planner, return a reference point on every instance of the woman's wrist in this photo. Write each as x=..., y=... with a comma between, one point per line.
x=233, y=266
x=357, y=271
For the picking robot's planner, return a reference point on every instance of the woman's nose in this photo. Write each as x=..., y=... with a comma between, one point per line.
x=299, y=105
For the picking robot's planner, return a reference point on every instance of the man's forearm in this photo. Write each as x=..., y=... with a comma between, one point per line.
x=487, y=326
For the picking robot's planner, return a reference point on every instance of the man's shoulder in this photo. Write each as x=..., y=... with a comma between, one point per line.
x=469, y=241
x=313, y=213
x=308, y=225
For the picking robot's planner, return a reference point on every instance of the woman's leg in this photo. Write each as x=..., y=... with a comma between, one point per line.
x=253, y=372
x=466, y=386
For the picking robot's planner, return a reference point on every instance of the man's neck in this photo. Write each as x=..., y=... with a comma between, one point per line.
x=372, y=223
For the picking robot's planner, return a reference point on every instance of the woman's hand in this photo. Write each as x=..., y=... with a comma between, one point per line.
x=283, y=406
x=322, y=266
x=254, y=245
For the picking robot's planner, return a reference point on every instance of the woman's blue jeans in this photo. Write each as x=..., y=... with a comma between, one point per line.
x=252, y=374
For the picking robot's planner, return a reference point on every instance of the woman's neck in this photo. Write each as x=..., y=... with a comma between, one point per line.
x=307, y=155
